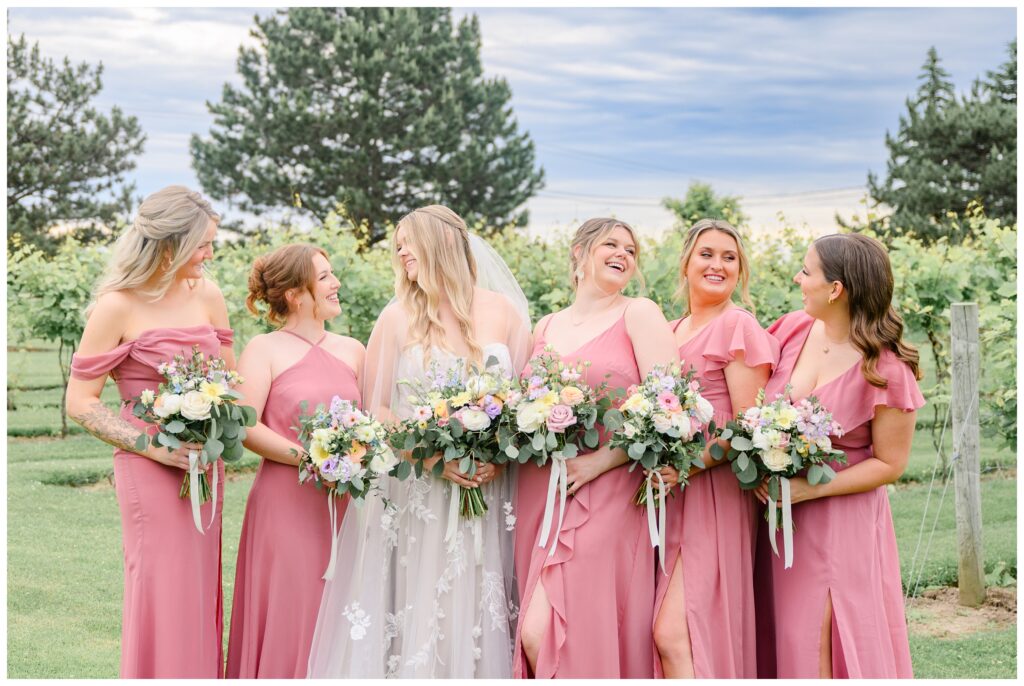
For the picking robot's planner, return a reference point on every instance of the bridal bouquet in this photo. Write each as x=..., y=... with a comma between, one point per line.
x=466, y=421
x=776, y=441
x=556, y=415
x=661, y=423
x=196, y=403
x=346, y=451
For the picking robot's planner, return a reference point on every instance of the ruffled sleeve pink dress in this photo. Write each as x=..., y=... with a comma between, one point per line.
x=600, y=580
x=844, y=546
x=172, y=614
x=286, y=534
x=712, y=524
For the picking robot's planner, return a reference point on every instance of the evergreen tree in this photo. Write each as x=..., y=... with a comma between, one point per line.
x=66, y=161
x=375, y=111
x=950, y=153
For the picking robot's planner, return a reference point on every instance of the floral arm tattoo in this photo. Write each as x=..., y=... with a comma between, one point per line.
x=109, y=427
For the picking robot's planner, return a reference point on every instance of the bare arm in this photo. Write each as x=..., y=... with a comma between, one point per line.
x=254, y=366
x=218, y=311
x=102, y=334
x=743, y=382
x=892, y=432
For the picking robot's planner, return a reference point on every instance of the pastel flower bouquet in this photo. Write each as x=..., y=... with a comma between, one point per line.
x=556, y=416
x=196, y=403
x=345, y=451
x=467, y=421
x=661, y=423
x=776, y=441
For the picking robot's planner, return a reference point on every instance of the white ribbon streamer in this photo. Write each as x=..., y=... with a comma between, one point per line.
x=772, y=525
x=332, y=515
x=213, y=511
x=558, y=483
x=193, y=488
x=453, y=513
x=656, y=527
x=787, y=522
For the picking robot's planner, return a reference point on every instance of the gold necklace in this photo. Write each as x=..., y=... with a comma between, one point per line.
x=825, y=348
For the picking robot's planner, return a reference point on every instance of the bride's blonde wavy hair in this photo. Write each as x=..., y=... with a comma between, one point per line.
x=439, y=240
x=168, y=228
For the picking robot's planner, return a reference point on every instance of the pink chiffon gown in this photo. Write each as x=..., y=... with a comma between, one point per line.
x=172, y=618
x=286, y=534
x=844, y=546
x=600, y=581
x=712, y=524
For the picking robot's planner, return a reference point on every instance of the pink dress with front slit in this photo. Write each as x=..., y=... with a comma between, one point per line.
x=712, y=524
x=844, y=546
x=600, y=581
x=172, y=617
x=286, y=534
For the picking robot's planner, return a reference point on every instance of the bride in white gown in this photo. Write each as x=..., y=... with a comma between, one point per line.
x=404, y=602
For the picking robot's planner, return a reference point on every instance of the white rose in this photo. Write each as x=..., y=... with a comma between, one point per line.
x=765, y=440
x=629, y=430
x=662, y=423
x=147, y=397
x=824, y=443
x=474, y=420
x=364, y=433
x=167, y=404
x=529, y=417
x=196, y=405
x=681, y=422
x=384, y=461
x=777, y=459
x=705, y=411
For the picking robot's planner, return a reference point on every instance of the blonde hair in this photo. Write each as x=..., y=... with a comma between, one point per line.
x=445, y=265
x=168, y=228
x=590, y=233
x=274, y=274
x=683, y=292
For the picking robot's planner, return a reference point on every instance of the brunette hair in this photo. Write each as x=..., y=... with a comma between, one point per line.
x=861, y=264
x=274, y=274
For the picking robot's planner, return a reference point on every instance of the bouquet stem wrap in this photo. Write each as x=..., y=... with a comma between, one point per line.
x=332, y=515
x=787, y=522
x=455, y=506
x=193, y=486
x=559, y=482
x=656, y=525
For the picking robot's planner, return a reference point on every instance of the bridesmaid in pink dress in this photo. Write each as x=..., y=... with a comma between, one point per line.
x=286, y=534
x=152, y=304
x=839, y=608
x=586, y=611
x=704, y=606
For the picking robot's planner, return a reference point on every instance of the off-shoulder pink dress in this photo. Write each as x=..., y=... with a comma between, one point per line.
x=173, y=617
x=286, y=534
x=600, y=581
x=712, y=525
x=844, y=546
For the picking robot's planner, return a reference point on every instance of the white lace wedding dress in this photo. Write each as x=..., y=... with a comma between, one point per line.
x=404, y=603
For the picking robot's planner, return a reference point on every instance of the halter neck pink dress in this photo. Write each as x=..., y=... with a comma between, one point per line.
x=172, y=614
x=600, y=581
x=712, y=524
x=286, y=535
x=844, y=546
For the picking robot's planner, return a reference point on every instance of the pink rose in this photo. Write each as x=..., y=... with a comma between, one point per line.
x=560, y=418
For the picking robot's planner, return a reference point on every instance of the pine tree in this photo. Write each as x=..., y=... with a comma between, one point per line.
x=701, y=202
x=373, y=111
x=950, y=153
x=66, y=161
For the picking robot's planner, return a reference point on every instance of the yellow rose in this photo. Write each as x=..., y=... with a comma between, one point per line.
x=571, y=396
x=636, y=404
x=441, y=410
x=213, y=391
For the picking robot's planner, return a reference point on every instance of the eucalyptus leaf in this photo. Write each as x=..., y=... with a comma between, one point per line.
x=570, y=451
x=742, y=443
x=175, y=427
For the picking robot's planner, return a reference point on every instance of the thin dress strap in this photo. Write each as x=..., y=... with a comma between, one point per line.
x=678, y=323
x=303, y=338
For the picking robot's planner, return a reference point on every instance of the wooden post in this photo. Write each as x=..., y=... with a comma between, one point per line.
x=966, y=465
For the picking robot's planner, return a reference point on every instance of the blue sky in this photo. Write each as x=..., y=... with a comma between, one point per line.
x=785, y=107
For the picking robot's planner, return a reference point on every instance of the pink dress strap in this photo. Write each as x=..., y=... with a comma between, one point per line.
x=89, y=367
x=306, y=340
x=738, y=331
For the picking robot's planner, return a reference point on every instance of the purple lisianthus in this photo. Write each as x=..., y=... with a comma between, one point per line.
x=492, y=408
